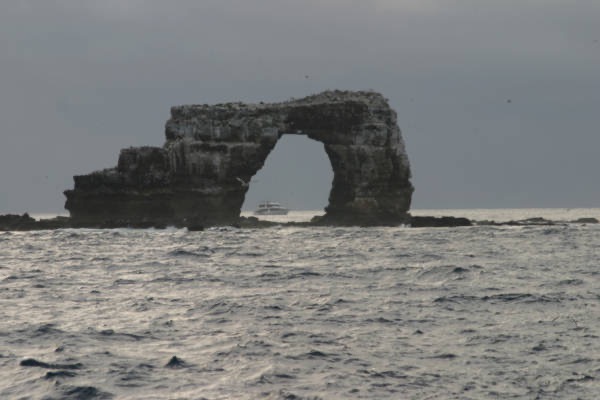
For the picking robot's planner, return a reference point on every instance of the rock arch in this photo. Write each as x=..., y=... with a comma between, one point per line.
x=196, y=176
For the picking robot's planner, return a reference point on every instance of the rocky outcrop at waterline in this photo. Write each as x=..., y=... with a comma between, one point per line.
x=24, y=222
x=12, y=222
x=199, y=177
x=438, y=222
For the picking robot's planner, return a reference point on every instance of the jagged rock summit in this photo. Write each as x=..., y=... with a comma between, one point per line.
x=198, y=177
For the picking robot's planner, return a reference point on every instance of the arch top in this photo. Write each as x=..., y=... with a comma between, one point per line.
x=327, y=116
x=209, y=149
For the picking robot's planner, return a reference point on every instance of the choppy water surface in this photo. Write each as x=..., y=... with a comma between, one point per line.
x=301, y=313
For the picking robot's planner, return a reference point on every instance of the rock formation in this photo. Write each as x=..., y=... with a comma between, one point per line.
x=197, y=176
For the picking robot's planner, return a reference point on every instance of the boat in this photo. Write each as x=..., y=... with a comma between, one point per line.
x=270, y=208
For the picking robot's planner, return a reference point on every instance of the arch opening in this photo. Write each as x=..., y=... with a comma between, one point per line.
x=297, y=173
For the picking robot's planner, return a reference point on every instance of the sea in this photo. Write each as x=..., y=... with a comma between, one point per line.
x=480, y=312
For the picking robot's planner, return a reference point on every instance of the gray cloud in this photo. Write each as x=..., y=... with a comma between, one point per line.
x=82, y=79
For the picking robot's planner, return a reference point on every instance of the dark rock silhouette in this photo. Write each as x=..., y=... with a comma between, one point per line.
x=584, y=220
x=439, y=222
x=197, y=177
x=32, y=362
x=16, y=222
x=175, y=362
x=59, y=374
x=83, y=393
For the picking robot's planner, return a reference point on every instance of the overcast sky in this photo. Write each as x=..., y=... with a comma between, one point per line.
x=498, y=100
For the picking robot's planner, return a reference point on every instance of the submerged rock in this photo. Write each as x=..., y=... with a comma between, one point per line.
x=59, y=374
x=175, y=362
x=83, y=393
x=212, y=151
x=438, y=222
x=531, y=221
x=589, y=220
x=32, y=362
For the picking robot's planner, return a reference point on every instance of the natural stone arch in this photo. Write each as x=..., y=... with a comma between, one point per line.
x=211, y=149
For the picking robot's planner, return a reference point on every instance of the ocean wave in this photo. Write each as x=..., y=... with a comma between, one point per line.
x=296, y=313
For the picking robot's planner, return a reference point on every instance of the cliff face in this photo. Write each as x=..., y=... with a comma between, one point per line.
x=196, y=176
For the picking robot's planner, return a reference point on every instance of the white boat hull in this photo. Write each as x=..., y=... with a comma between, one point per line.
x=270, y=208
x=271, y=212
